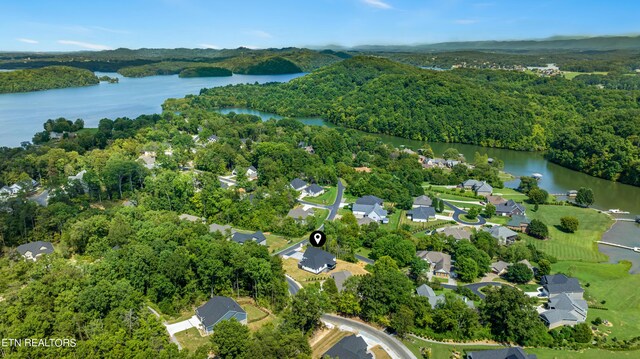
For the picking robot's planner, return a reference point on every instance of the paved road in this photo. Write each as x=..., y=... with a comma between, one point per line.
x=389, y=342
x=336, y=205
x=364, y=259
x=475, y=287
x=457, y=212
x=294, y=287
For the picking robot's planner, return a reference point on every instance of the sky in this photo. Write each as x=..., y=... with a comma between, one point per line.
x=71, y=25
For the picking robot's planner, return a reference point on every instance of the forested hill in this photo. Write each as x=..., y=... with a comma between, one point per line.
x=593, y=130
x=46, y=78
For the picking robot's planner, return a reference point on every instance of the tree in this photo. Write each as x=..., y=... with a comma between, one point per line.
x=582, y=333
x=402, y=321
x=537, y=229
x=489, y=210
x=306, y=308
x=585, y=197
x=519, y=273
x=451, y=154
x=569, y=224
x=527, y=184
x=330, y=288
x=472, y=213
x=538, y=196
x=231, y=339
x=467, y=269
x=544, y=268
x=512, y=317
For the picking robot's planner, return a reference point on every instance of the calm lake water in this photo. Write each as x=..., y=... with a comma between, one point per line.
x=22, y=114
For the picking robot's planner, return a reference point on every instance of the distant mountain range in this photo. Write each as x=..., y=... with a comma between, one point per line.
x=600, y=43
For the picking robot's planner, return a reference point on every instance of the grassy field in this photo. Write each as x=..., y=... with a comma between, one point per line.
x=441, y=350
x=328, y=197
x=379, y=353
x=191, y=339
x=394, y=220
x=579, y=246
x=572, y=74
x=613, y=284
x=509, y=193
x=275, y=242
x=363, y=251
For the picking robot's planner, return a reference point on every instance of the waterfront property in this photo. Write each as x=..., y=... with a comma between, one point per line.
x=518, y=223
x=480, y=188
x=566, y=304
x=510, y=208
x=218, y=309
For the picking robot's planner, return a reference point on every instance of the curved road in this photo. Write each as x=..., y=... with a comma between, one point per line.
x=389, y=343
x=457, y=212
x=475, y=287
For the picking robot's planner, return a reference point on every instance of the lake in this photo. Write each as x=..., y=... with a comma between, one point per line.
x=22, y=114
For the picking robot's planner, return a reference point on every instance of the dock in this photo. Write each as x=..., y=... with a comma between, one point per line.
x=635, y=249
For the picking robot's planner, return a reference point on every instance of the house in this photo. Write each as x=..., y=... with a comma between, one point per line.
x=300, y=214
x=314, y=190
x=440, y=263
x=510, y=208
x=480, y=188
x=426, y=291
x=518, y=223
x=190, y=218
x=225, y=229
x=340, y=277
x=371, y=207
x=257, y=237
x=496, y=200
x=251, y=173
x=6, y=191
x=421, y=214
x=33, y=250
x=507, y=353
x=349, y=347
x=315, y=260
x=528, y=264
x=457, y=233
x=218, y=309
x=298, y=184
x=559, y=283
x=504, y=235
x=148, y=160
x=422, y=201
x=564, y=310
x=212, y=139
x=500, y=267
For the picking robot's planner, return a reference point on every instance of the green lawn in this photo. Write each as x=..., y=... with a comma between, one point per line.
x=572, y=74
x=191, y=339
x=276, y=243
x=253, y=313
x=579, y=246
x=509, y=193
x=328, y=197
x=394, y=219
x=613, y=284
x=363, y=251
x=441, y=350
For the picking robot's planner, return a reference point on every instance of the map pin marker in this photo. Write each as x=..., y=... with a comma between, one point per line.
x=317, y=238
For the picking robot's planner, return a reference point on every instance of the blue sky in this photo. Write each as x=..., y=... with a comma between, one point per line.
x=37, y=25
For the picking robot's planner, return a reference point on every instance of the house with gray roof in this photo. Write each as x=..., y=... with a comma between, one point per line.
x=251, y=173
x=372, y=211
x=349, y=347
x=421, y=214
x=218, y=309
x=340, y=277
x=559, y=283
x=500, y=267
x=439, y=262
x=518, y=223
x=369, y=200
x=480, y=188
x=457, y=233
x=504, y=235
x=422, y=201
x=427, y=292
x=224, y=229
x=257, y=237
x=298, y=184
x=313, y=190
x=506, y=353
x=212, y=138
x=510, y=208
x=32, y=251
x=300, y=214
x=316, y=260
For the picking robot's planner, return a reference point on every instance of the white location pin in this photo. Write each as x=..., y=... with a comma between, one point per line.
x=317, y=238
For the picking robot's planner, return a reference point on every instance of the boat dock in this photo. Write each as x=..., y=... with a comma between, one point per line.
x=635, y=249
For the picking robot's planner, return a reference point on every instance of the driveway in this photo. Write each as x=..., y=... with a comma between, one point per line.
x=393, y=346
x=174, y=328
x=457, y=212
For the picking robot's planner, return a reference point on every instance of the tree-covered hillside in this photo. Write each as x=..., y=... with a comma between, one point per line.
x=45, y=78
x=584, y=127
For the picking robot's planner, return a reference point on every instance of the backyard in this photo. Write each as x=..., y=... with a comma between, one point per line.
x=191, y=339
x=327, y=198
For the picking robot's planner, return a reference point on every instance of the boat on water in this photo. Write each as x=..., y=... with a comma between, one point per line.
x=617, y=211
x=537, y=176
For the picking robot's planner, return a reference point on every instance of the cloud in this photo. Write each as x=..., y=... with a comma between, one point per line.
x=465, y=21
x=85, y=45
x=260, y=33
x=27, y=41
x=209, y=46
x=377, y=4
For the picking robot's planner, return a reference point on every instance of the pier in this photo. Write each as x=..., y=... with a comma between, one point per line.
x=635, y=249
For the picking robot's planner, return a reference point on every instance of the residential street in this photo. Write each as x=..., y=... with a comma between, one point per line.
x=457, y=212
x=393, y=346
